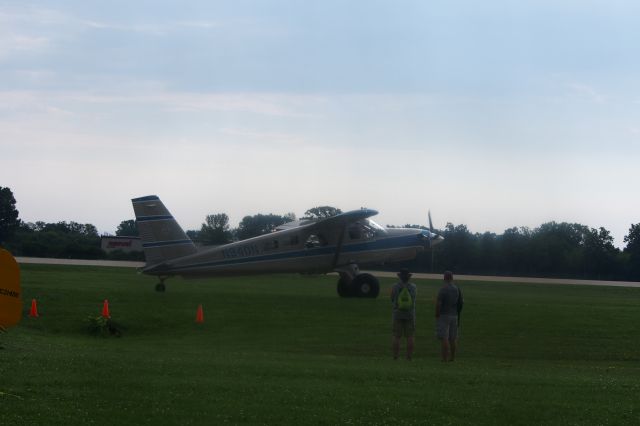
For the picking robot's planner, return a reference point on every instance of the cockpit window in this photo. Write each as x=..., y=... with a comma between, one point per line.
x=366, y=229
x=271, y=245
x=315, y=240
x=379, y=230
x=355, y=232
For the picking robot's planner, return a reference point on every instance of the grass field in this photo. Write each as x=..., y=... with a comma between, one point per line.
x=286, y=350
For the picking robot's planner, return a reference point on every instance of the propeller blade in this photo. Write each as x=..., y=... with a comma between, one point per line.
x=430, y=230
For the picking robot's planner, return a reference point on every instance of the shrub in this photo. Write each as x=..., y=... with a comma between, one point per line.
x=104, y=327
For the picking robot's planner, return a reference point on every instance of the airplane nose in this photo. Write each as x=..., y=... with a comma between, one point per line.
x=431, y=238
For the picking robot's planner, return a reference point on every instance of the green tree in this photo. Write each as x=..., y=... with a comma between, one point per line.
x=557, y=249
x=321, y=212
x=59, y=240
x=9, y=221
x=515, y=247
x=260, y=224
x=632, y=250
x=193, y=234
x=215, y=230
x=600, y=255
x=127, y=228
x=633, y=239
x=456, y=251
x=486, y=257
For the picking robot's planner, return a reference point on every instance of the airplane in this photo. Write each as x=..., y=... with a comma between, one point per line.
x=335, y=244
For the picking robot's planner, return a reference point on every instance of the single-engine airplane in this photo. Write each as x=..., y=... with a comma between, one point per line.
x=335, y=244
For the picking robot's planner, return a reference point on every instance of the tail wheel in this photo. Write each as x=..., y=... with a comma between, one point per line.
x=160, y=286
x=366, y=285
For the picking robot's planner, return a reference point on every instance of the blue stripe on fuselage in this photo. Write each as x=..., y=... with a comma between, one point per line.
x=382, y=244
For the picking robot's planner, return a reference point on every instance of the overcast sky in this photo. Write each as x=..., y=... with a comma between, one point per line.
x=492, y=114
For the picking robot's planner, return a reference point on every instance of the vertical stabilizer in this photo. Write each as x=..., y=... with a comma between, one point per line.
x=162, y=238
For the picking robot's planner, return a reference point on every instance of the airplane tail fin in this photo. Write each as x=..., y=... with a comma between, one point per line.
x=162, y=238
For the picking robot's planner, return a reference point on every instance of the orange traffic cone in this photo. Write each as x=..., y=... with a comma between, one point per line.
x=199, y=314
x=33, y=312
x=105, y=309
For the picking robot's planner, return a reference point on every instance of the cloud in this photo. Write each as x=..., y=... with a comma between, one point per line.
x=13, y=43
x=34, y=29
x=258, y=136
x=198, y=24
x=273, y=104
x=31, y=15
x=147, y=29
x=587, y=91
x=27, y=29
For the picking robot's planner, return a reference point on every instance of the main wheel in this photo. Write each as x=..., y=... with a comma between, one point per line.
x=366, y=285
x=160, y=287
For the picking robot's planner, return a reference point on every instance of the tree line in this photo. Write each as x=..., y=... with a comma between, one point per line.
x=560, y=250
x=564, y=250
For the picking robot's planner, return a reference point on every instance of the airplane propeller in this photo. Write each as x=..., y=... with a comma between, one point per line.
x=430, y=223
x=430, y=229
x=431, y=236
x=432, y=242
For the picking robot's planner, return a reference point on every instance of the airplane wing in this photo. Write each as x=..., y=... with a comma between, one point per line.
x=337, y=221
x=342, y=219
x=339, y=224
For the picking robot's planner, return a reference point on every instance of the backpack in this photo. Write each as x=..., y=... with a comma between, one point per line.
x=405, y=301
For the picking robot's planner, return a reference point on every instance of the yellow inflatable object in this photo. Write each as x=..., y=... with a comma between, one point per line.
x=10, y=294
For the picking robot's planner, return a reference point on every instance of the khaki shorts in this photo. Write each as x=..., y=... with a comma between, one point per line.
x=404, y=327
x=447, y=327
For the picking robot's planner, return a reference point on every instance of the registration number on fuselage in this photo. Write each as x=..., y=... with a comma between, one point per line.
x=243, y=251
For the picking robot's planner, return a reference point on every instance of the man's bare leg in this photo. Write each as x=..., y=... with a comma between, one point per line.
x=445, y=350
x=410, y=345
x=395, y=346
x=453, y=344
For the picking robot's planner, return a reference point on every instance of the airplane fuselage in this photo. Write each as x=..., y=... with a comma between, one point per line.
x=291, y=251
x=338, y=243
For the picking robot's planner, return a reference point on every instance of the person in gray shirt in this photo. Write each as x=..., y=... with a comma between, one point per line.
x=448, y=306
x=403, y=300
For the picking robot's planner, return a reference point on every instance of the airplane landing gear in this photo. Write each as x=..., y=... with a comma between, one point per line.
x=366, y=285
x=362, y=285
x=344, y=287
x=160, y=288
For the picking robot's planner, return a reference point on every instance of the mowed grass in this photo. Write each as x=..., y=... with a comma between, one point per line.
x=285, y=349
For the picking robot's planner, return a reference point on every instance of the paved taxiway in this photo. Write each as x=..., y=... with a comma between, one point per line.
x=80, y=262
x=129, y=264
x=528, y=280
